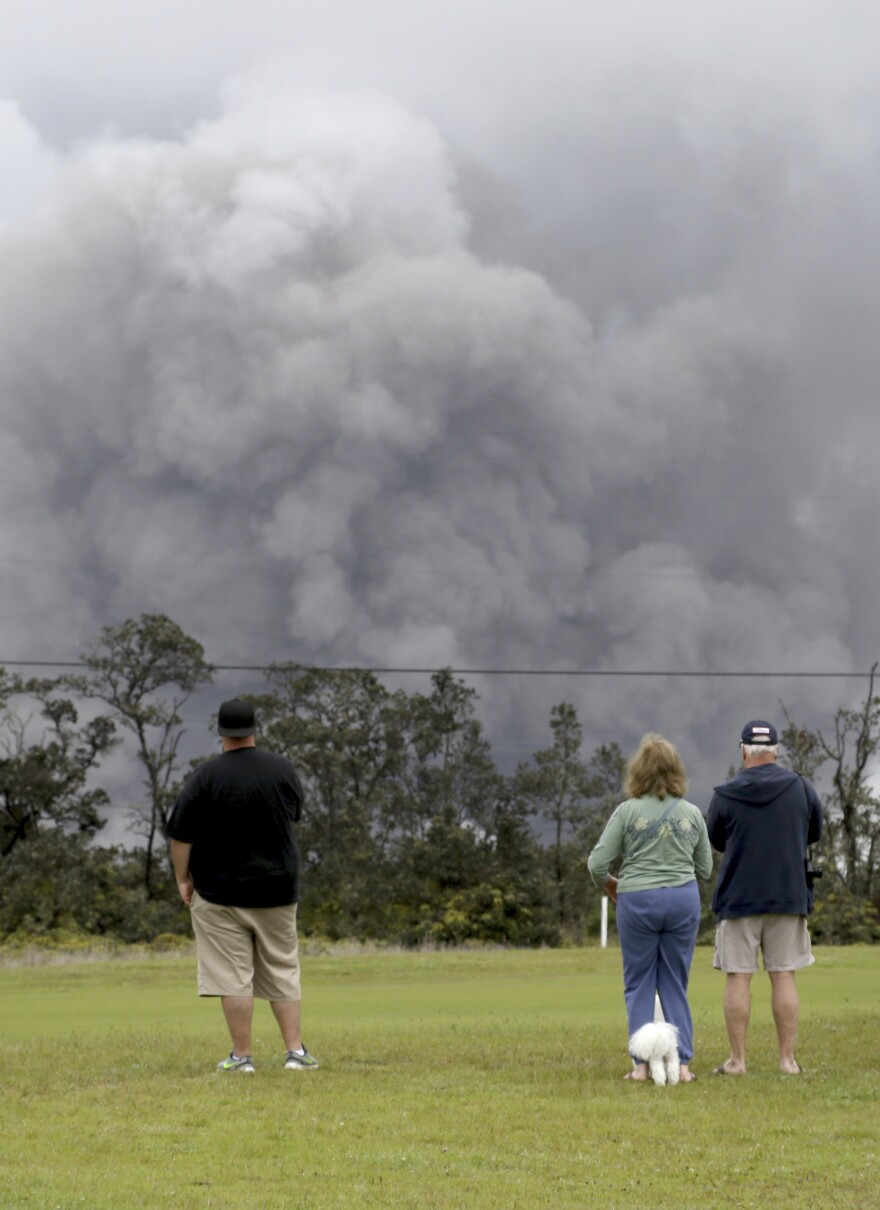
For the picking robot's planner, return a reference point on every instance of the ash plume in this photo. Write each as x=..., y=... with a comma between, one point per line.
x=315, y=381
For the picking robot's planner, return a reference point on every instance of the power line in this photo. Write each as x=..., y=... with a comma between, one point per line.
x=577, y=672
x=41, y=664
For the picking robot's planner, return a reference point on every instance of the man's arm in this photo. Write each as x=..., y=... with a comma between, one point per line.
x=703, y=855
x=814, y=827
x=296, y=786
x=180, y=852
x=716, y=826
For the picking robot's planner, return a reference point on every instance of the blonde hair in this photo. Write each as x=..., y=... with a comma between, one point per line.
x=655, y=769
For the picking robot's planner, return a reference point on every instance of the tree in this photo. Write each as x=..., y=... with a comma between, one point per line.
x=465, y=862
x=450, y=773
x=146, y=669
x=605, y=770
x=558, y=787
x=345, y=734
x=407, y=820
x=45, y=769
x=851, y=841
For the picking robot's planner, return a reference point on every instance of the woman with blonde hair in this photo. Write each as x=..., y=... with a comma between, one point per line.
x=664, y=846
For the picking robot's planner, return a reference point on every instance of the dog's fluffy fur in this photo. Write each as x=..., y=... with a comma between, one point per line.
x=657, y=1045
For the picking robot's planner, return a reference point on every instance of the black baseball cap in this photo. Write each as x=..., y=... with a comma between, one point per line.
x=235, y=719
x=759, y=732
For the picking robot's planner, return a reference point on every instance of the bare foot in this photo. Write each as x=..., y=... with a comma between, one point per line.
x=790, y=1067
x=639, y=1073
x=686, y=1076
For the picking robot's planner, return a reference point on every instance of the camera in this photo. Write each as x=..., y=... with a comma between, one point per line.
x=811, y=871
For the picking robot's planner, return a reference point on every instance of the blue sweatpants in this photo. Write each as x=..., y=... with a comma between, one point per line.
x=658, y=932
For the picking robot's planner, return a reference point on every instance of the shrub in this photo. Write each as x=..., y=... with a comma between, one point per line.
x=58, y=881
x=840, y=918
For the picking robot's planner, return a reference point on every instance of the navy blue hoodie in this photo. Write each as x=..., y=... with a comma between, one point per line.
x=762, y=821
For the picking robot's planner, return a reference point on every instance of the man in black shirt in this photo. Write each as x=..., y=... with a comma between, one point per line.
x=236, y=863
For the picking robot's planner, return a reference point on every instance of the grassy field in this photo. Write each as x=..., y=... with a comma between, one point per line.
x=473, y=1079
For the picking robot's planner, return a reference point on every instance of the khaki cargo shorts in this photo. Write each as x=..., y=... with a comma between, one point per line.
x=784, y=942
x=246, y=951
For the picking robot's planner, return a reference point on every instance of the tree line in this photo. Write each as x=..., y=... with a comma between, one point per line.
x=410, y=835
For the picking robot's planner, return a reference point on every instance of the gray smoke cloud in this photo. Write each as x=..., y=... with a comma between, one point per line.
x=379, y=363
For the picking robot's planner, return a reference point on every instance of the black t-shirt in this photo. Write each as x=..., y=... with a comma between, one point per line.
x=237, y=810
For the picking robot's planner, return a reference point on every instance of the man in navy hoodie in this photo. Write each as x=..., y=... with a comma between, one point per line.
x=762, y=820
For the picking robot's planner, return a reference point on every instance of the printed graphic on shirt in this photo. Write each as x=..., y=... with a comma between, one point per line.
x=684, y=830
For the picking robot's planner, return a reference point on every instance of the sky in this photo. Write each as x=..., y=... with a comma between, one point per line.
x=532, y=336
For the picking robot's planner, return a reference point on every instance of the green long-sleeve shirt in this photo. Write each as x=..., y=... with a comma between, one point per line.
x=677, y=853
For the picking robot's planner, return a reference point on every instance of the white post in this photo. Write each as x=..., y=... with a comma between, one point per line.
x=603, y=927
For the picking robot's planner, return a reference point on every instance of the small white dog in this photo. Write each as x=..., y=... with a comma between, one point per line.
x=657, y=1045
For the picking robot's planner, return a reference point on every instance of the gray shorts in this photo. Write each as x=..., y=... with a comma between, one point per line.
x=784, y=942
x=246, y=951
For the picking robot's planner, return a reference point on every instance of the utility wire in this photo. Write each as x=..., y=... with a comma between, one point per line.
x=582, y=672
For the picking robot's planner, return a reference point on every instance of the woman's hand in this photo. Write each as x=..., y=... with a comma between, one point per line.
x=611, y=888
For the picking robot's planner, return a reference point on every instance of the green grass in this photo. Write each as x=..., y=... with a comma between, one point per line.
x=474, y=1079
